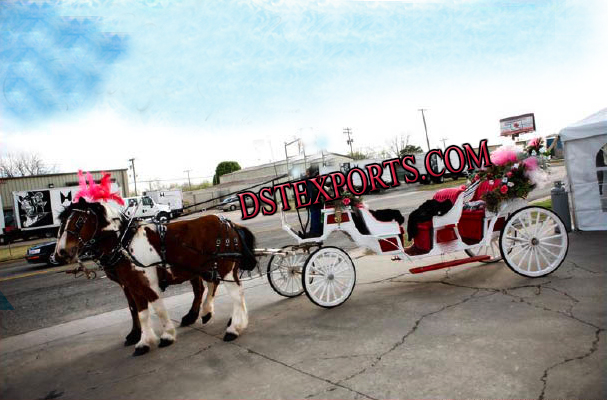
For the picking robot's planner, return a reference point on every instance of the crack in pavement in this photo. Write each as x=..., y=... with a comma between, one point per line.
x=476, y=290
x=584, y=269
x=410, y=332
x=593, y=349
x=291, y=367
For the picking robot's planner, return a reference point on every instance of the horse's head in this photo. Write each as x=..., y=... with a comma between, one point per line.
x=82, y=224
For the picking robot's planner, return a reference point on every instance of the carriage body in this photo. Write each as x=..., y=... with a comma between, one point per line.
x=532, y=241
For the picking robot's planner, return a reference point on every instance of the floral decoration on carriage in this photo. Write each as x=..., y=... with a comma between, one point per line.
x=513, y=175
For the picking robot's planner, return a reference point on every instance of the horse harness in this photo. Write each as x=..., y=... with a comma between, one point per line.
x=231, y=249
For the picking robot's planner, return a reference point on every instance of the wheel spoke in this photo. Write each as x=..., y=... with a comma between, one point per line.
x=553, y=245
x=553, y=255
x=550, y=237
x=542, y=245
x=543, y=257
x=523, y=248
x=537, y=260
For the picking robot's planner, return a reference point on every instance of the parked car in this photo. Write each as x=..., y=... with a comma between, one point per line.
x=45, y=253
x=232, y=203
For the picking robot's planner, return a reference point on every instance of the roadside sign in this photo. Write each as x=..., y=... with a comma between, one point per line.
x=513, y=126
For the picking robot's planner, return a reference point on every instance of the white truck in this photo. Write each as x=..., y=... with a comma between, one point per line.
x=174, y=198
x=437, y=164
x=144, y=207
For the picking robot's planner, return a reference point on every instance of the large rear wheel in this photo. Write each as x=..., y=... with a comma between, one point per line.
x=534, y=242
x=329, y=277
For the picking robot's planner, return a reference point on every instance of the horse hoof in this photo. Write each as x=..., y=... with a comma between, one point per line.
x=140, y=351
x=229, y=322
x=188, y=319
x=229, y=337
x=165, y=342
x=206, y=318
x=132, y=339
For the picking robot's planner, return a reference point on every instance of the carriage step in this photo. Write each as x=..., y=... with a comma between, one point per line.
x=448, y=264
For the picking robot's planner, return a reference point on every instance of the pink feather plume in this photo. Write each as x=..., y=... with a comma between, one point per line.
x=94, y=192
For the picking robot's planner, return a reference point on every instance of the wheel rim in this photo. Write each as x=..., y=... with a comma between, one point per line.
x=329, y=277
x=285, y=274
x=534, y=242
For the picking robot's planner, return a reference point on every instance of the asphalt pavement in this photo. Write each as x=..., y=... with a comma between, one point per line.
x=475, y=331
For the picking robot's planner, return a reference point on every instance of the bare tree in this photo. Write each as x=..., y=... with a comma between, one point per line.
x=397, y=144
x=400, y=146
x=24, y=164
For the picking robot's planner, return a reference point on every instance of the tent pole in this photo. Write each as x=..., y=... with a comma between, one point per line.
x=570, y=187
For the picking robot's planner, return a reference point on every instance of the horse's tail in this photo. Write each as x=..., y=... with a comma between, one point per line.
x=248, y=240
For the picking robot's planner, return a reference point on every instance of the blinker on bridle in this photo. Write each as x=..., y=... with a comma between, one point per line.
x=82, y=219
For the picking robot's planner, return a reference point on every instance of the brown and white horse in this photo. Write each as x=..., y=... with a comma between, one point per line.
x=132, y=259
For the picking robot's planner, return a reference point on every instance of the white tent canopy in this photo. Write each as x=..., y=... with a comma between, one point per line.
x=585, y=152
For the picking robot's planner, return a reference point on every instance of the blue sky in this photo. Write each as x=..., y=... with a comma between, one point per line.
x=218, y=79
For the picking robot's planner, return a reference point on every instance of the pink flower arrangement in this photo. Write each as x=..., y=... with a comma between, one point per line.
x=94, y=192
x=346, y=201
x=504, y=189
x=534, y=143
x=503, y=156
x=530, y=163
x=509, y=174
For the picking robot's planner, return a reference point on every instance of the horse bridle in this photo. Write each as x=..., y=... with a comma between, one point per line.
x=80, y=224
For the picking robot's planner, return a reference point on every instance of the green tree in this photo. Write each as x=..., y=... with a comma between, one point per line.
x=410, y=149
x=223, y=168
x=358, y=155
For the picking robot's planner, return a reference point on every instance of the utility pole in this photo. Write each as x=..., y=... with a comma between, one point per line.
x=132, y=160
x=286, y=157
x=422, y=110
x=348, y=131
x=443, y=140
x=189, y=183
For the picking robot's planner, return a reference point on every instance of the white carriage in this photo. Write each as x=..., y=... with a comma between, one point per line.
x=532, y=240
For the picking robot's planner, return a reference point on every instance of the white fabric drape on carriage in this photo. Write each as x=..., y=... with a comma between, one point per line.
x=585, y=152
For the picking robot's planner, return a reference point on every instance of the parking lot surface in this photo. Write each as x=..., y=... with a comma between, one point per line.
x=477, y=331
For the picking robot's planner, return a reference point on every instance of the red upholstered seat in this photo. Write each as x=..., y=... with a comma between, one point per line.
x=448, y=194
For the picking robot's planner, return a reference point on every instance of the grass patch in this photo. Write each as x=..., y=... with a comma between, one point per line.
x=447, y=184
x=543, y=203
x=14, y=253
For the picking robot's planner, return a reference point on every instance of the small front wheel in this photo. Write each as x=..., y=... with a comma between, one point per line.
x=329, y=277
x=534, y=242
x=284, y=274
x=491, y=250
